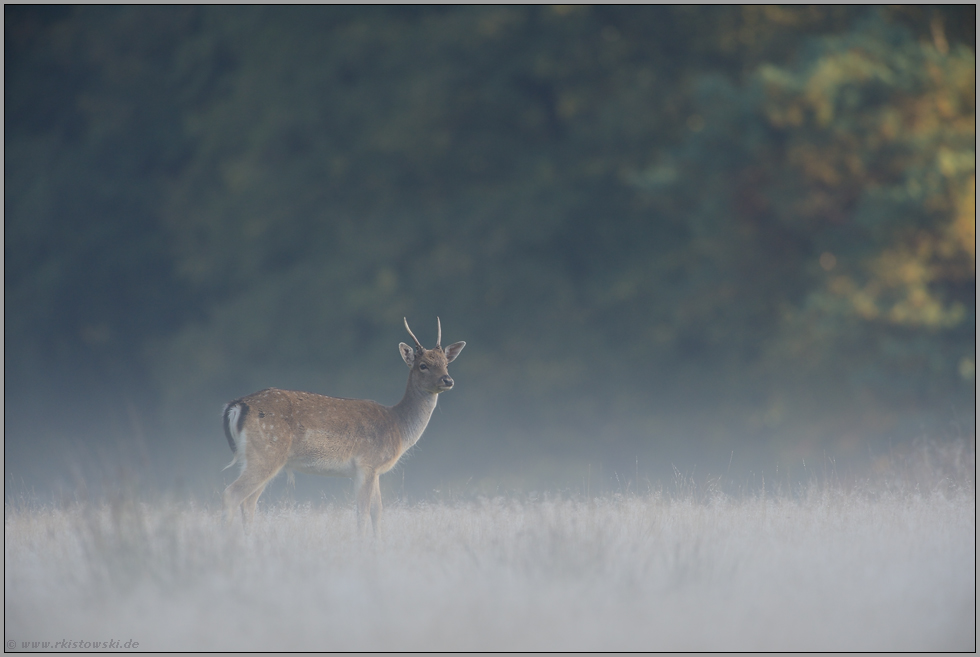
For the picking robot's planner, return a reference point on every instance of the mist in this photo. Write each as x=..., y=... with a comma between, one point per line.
x=888, y=565
x=708, y=262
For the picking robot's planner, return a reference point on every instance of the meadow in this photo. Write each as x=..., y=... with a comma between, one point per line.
x=884, y=563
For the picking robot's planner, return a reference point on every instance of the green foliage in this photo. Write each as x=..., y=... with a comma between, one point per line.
x=842, y=212
x=625, y=211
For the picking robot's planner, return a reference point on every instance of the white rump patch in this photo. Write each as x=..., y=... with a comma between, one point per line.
x=240, y=437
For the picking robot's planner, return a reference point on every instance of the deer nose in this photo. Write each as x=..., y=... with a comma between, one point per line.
x=446, y=381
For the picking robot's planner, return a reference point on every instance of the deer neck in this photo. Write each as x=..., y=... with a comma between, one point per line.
x=413, y=412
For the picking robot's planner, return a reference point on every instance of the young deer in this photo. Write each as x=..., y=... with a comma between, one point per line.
x=275, y=429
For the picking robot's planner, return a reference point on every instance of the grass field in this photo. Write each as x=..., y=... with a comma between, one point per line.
x=882, y=565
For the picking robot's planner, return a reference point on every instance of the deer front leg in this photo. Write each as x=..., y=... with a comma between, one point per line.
x=376, y=503
x=368, y=499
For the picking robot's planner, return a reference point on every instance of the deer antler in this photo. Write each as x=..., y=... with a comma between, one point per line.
x=439, y=334
x=418, y=345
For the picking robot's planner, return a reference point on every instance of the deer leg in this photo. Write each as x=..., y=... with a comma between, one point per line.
x=248, y=506
x=375, y=503
x=244, y=492
x=367, y=485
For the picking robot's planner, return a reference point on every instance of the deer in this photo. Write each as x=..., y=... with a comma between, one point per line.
x=275, y=429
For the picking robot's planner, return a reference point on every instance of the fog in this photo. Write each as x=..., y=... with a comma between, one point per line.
x=885, y=566
x=715, y=268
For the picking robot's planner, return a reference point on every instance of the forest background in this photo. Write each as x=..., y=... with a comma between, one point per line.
x=719, y=240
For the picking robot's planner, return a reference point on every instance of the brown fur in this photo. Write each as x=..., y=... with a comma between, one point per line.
x=274, y=429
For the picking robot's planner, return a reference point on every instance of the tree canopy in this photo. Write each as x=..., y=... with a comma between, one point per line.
x=748, y=224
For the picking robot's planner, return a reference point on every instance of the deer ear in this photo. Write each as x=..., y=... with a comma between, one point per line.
x=408, y=353
x=453, y=350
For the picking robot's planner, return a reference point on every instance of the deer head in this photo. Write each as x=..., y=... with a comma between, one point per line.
x=429, y=367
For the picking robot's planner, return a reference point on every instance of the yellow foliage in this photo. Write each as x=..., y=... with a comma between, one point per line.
x=834, y=72
x=898, y=290
x=962, y=232
x=926, y=113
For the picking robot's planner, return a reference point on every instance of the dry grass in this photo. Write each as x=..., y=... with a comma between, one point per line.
x=879, y=567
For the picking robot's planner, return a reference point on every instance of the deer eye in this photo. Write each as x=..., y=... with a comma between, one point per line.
x=423, y=366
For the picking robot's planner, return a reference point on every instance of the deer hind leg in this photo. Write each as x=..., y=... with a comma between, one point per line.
x=248, y=506
x=368, y=500
x=244, y=492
